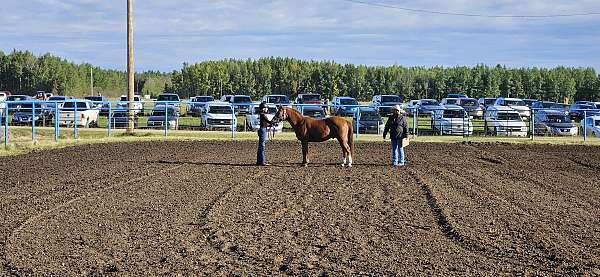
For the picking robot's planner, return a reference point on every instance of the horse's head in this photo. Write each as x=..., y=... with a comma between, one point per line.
x=281, y=114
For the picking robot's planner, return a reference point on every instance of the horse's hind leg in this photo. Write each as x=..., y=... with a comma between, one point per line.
x=346, y=158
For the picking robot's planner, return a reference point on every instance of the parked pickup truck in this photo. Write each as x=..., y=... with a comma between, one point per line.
x=84, y=112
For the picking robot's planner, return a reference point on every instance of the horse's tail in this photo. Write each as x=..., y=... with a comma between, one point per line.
x=351, y=137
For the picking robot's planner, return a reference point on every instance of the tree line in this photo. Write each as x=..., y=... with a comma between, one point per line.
x=23, y=72
x=292, y=76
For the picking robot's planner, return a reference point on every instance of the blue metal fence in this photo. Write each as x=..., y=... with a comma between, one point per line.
x=165, y=115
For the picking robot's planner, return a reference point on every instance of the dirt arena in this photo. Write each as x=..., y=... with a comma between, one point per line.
x=202, y=208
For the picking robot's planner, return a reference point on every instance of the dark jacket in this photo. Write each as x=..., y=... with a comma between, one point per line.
x=396, y=126
x=264, y=121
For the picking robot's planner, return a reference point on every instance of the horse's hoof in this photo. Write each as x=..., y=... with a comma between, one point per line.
x=349, y=165
x=343, y=165
x=305, y=164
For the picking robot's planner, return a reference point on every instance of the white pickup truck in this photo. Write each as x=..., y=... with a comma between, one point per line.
x=86, y=115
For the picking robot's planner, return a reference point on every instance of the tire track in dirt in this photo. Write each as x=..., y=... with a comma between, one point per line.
x=442, y=220
x=11, y=269
x=474, y=246
x=211, y=236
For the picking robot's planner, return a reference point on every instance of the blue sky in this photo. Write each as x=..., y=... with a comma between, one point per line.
x=169, y=33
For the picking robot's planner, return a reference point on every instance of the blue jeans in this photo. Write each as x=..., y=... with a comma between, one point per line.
x=261, y=158
x=397, y=152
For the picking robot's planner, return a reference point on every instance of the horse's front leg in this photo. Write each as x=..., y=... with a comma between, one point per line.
x=305, y=153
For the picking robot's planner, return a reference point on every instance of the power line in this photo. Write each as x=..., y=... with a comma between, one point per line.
x=388, y=6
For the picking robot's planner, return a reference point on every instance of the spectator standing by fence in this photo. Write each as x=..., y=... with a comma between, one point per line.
x=397, y=127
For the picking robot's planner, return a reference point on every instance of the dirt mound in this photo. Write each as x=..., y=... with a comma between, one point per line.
x=194, y=208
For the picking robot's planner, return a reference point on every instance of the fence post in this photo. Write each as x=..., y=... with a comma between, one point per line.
x=584, y=126
x=358, y=123
x=110, y=119
x=233, y=123
x=415, y=114
x=56, y=125
x=166, y=121
x=75, y=121
x=6, y=126
x=532, y=122
x=33, y=122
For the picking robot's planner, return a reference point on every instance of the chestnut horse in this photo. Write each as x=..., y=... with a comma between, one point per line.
x=312, y=130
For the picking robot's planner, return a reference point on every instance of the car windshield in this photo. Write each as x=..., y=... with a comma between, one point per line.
x=313, y=113
x=311, y=97
x=549, y=105
x=272, y=110
x=371, y=115
x=94, y=98
x=220, y=110
x=454, y=114
x=489, y=101
x=348, y=101
x=71, y=105
x=514, y=103
x=27, y=107
x=558, y=118
x=390, y=98
x=161, y=111
x=278, y=99
x=451, y=101
x=17, y=98
x=469, y=103
x=135, y=98
x=428, y=102
x=57, y=98
x=203, y=99
x=509, y=116
x=584, y=107
x=596, y=122
x=242, y=99
x=167, y=97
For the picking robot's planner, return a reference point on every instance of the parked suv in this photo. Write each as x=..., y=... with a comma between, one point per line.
x=368, y=120
x=162, y=115
x=80, y=112
x=516, y=104
x=384, y=103
x=308, y=98
x=344, y=106
x=450, y=101
x=30, y=112
x=219, y=115
x=451, y=120
x=138, y=106
x=591, y=125
x=197, y=105
x=171, y=99
x=471, y=106
x=242, y=104
x=428, y=106
x=553, y=122
x=504, y=121
x=276, y=99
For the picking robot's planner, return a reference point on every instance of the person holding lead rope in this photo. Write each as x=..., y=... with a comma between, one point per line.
x=397, y=127
x=265, y=123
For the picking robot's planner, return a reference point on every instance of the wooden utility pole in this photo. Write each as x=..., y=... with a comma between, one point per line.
x=91, y=80
x=130, y=70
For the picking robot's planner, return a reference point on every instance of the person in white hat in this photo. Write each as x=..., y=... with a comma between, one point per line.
x=397, y=127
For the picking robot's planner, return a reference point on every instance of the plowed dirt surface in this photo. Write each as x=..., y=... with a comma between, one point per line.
x=202, y=208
